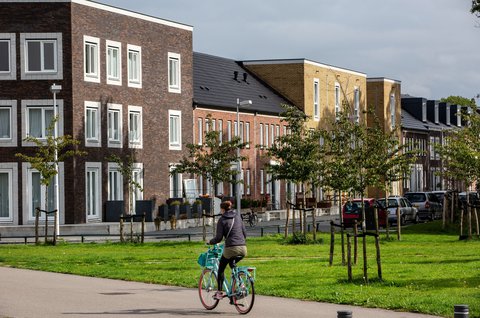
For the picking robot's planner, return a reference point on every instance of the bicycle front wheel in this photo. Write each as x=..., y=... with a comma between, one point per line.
x=243, y=293
x=253, y=220
x=207, y=287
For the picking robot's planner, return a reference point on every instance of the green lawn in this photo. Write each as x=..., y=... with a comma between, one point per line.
x=426, y=272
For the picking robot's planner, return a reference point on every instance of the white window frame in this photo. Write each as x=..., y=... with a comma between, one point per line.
x=247, y=182
x=136, y=143
x=174, y=192
x=44, y=104
x=393, y=113
x=11, y=169
x=110, y=65
x=93, y=210
x=229, y=130
x=436, y=114
x=134, y=81
x=115, y=191
x=94, y=73
x=137, y=176
x=356, y=104
x=175, y=82
x=113, y=109
x=247, y=135
x=262, y=181
x=459, y=116
x=316, y=99
x=57, y=73
x=175, y=144
x=242, y=132
x=448, y=115
x=266, y=126
x=200, y=131
x=11, y=140
x=11, y=74
x=424, y=111
x=220, y=131
x=337, y=99
x=96, y=140
x=272, y=134
x=261, y=136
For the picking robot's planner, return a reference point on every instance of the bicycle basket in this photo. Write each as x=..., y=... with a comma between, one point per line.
x=208, y=258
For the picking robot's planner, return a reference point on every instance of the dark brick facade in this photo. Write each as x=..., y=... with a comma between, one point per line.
x=156, y=40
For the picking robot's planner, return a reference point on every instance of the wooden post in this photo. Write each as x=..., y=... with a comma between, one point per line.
x=476, y=220
x=399, y=225
x=349, y=258
x=301, y=220
x=293, y=220
x=37, y=217
x=444, y=211
x=379, y=261
x=461, y=222
x=355, y=242
x=143, y=228
x=332, y=242
x=121, y=229
x=375, y=213
x=365, y=265
x=314, y=221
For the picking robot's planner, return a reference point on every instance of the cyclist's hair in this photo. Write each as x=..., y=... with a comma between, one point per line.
x=226, y=205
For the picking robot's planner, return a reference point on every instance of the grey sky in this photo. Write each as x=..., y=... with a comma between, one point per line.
x=432, y=46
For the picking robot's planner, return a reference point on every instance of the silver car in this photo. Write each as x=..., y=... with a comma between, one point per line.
x=427, y=203
x=407, y=211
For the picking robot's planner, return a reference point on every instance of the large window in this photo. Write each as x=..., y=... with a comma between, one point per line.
x=8, y=69
x=247, y=134
x=114, y=122
x=200, y=131
x=220, y=130
x=137, y=176
x=174, y=73
x=229, y=130
x=92, y=124
x=175, y=129
x=91, y=59
x=114, y=63
x=135, y=127
x=175, y=184
x=93, y=188
x=37, y=116
x=8, y=123
x=134, y=66
x=8, y=189
x=41, y=56
x=115, y=182
x=316, y=99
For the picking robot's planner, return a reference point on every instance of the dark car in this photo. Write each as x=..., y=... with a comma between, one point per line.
x=352, y=210
x=407, y=211
x=427, y=203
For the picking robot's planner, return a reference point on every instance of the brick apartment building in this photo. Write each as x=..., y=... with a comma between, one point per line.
x=126, y=89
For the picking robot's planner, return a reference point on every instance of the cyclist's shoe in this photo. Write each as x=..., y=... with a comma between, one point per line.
x=218, y=295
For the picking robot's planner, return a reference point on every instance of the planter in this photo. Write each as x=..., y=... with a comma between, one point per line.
x=173, y=210
x=197, y=210
x=163, y=212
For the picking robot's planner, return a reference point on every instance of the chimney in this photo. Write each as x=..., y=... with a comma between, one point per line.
x=235, y=75
x=245, y=75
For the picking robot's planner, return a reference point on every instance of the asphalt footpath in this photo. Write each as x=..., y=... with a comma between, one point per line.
x=32, y=294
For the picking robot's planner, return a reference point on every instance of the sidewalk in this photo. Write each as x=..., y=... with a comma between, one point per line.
x=32, y=294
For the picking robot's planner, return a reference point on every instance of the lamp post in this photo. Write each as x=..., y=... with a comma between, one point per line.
x=55, y=89
x=239, y=163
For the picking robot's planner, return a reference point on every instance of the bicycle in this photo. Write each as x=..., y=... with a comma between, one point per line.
x=251, y=218
x=239, y=289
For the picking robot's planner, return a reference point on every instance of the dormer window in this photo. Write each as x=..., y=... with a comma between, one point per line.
x=424, y=111
x=448, y=115
x=436, y=113
x=459, y=116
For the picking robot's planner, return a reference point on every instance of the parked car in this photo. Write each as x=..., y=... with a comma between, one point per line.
x=440, y=195
x=473, y=199
x=407, y=211
x=427, y=203
x=352, y=210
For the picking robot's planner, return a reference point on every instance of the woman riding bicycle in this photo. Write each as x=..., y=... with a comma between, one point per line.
x=230, y=227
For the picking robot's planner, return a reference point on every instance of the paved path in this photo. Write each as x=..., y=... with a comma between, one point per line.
x=32, y=294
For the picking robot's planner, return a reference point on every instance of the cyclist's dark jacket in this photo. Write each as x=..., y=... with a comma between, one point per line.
x=237, y=234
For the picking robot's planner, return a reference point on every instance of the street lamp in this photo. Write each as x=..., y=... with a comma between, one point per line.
x=55, y=89
x=239, y=164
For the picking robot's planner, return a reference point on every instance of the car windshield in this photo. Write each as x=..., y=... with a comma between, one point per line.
x=416, y=197
x=392, y=203
x=355, y=207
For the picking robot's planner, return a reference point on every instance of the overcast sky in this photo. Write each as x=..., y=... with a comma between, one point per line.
x=432, y=46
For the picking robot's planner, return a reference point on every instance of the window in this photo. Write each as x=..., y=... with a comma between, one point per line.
x=175, y=129
x=448, y=115
x=41, y=56
x=200, y=130
x=393, y=111
x=436, y=113
x=92, y=124
x=424, y=111
x=8, y=69
x=114, y=122
x=266, y=135
x=175, y=184
x=242, y=135
x=114, y=63
x=220, y=130
x=262, y=181
x=91, y=59
x=432, y=147
x=247, y=182
x=459, y=116
x=316, y=99
x=277, y=128
x=115, y=182
x=8, y=192
x=247, y=134
x=261, y=136
x=37, y=116
x=229, y=130
x=135, y=126
x=174, y=74
x=337, y=99
x=93, y=188
x=235, y=129
x=137, y=176
x=8, y=123
x=134, y=66
x=272, y=135
x=356, y=105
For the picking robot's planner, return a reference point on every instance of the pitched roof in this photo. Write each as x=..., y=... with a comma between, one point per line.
x=411, y=122
x=218, y=82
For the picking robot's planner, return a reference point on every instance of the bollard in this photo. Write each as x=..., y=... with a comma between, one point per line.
x=344, y=314
x=460, y=311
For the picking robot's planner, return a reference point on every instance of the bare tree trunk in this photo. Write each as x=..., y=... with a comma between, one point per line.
x=387, y=225
x=286, y=221
x=476, y=222
x=349, y=257
x=355, y=242
x=399, y=225
x=379, y=260
x=364, y=242
x=332, y=242
x=342, y=231
x=444, y=212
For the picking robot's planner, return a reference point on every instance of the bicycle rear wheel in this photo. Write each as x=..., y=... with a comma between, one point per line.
x=207, y=287
x=243, y=293
x=253, y=220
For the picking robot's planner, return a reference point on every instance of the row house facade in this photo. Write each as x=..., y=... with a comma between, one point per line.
x=218, y=83
x=127, y=90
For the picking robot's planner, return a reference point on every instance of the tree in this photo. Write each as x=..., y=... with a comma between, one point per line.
x=126, y=168
x=296, y=156
x=476, y=7
x=44, y=160
x=459, y=100
x=213, y=159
